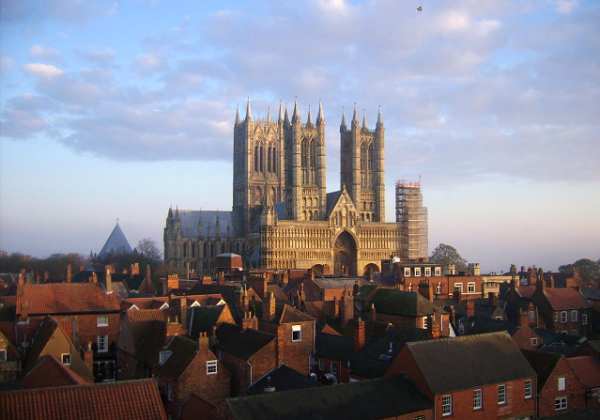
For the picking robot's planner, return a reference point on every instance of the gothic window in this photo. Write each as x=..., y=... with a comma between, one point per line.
x=269, y=156
x=256, y=158
x=193, y=250
x=185, y=249
x=261, y=159
x=274, y=152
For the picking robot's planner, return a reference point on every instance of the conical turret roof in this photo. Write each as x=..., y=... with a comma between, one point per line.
x=116, y=242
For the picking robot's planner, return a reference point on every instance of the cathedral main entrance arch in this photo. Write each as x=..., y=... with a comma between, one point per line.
x=344, y=257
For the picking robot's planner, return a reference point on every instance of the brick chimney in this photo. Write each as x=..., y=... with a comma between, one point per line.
x=68, y=273
x=94, y=277
x=492, y=301
x=300, y=298
x=46, y=275
x=135, y=269
x=426, y=289
x=249, y=321
x=336, y=307
x=433, y=328
x=24, y=311
x=347, y=307
x=203, y=343
x=108, y=281
x=523, y=319
x=87, y=354
x=540, y=286
x=37, y=278
x=259, y=284
x=457, y=296
x=21, y=280
x=373, y=313
x=359, y=335
x=268, y=307
x=356, y=288
x=469, y=308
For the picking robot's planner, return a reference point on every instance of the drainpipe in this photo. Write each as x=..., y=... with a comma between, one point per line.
x=250, y=366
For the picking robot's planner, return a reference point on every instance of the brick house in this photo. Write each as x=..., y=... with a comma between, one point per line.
x=49, y=372
x=559, y=389
x=587, y=369
x=92, y=311
x=477, y=377
x=247, y=353
x=10, y=359
x=563, y=310
x=100, y=401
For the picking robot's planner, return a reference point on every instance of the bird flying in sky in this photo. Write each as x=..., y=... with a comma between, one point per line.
x=419, y=9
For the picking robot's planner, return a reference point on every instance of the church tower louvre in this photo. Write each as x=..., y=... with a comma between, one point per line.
x=257, y=167
x=363, y=166
x=305, y=179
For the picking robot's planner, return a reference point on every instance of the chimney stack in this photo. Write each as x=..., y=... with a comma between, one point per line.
x=359, y=335
x=135, y=269
x=433, y=328
x=203, y=343
x=68, y=273
x=268, y=307
x=470, y=308
x=492, y=299
x=426, y=289
x=24, y=311
x=87, y=354
x=108, y=281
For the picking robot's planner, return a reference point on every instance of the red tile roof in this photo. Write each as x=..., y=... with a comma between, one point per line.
x=124, y=400
x=49, y=372
x=588, y=370
x=565, y=298
x=66, y=298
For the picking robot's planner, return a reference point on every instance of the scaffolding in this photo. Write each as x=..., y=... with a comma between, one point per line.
x=413, y=220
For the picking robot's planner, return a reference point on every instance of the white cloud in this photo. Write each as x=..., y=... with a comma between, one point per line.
x=5, y=64
x=565, y=6
x=44, y=53
x=101, y=56
x=148, y=63
x=43, y=70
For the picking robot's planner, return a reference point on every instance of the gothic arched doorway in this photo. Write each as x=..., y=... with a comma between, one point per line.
x=344, y=257
x=370, y=269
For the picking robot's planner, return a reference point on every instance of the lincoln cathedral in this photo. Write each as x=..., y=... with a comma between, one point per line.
x=282, y=215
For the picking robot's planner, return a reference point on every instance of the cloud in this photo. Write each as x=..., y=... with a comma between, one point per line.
x=45, y=71
x=101, y=56
x=5, y=64
x=44, y=53
x=145, y=64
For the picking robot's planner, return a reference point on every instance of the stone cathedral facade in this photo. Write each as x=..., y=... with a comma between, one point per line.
x=282, y=215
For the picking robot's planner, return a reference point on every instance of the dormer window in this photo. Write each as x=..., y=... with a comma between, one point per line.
x=438, y=271
x=296, y=333
x=103, y=321
x=406, y=271
x=66, y=359
x=211, y=367
x=427, y=271
x=417, y=271
x=163, y=356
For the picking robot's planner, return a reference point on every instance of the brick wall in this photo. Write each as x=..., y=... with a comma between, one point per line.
x=574, y=391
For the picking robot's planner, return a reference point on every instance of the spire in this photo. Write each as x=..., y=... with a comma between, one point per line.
x=296, y=116
x=248, y=111
x=309, y=122
x=280, y=120
x=355, y=117
x=237, y=115
x=365, y=127
x=286, y=120
x=344, y=125
x=217, y=226
x=177, y=212
x=269, y=114
x=320, y=117
x=379, y=119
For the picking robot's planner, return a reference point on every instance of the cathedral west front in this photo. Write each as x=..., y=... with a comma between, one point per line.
x=282, y=216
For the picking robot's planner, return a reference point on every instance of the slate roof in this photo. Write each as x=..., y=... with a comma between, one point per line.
x=116, y=242
x=125, y=400
x=399, y=302
x=558, y=342
x=591, y=294
x=282, y=378
x=364, y=400
x=183, y=351
x=565, y=298
x=284, y=314
x=375, y=358
x=240, y=342
x=49, y=372
x=61, y=298
x=587, y=368
x=135, y=326
x=474, y=325
x=202, y=319
x=334, y=347
x=454, y=364
x=190, y=219
x=543, y=363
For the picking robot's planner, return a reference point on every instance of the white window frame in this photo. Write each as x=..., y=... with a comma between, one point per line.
x=563, y=317
x=406, y=271
x=528, y=389
x=102, y=341
x=458, y=286
x=211, y=367
x=477, y=399
x=425, y=322
x=333, y=368
x=439, y=287
x=427, y=271
x=3, y=355
x=102, y=320
x=584, y=319
x=447, y=405
x=471, y=287
x=533, y=341
x=417, y=271
x=67, y=357
x=109, y=365
x=321, y=364
x=562, y=383
x=438, y=271
x=531, y=314
x=560, y=403
x=296, y=333
x=574, y=316
x=502, y=394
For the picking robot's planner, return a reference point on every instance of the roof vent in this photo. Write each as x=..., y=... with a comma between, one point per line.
x=269, y=388
x=163, y=356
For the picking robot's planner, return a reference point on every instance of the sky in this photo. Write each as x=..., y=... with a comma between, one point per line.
x=118, y=110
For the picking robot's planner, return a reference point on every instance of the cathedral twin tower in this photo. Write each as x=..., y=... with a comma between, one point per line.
x=282, y=216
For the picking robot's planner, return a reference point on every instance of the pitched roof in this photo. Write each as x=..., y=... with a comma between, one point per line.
x=135, y=326
x=399, y=302
x=126, y=400
x=364, y=400
x=334, y=346
x=203, y=318
x=190, y=219
x=116, y=242
x=59, y=298
x=543, y=363
x=565, y=298
x=588, y=370
x=282, y=378
x=454, y=364
x=49, y=372
x=240, y=342
x=375, y=359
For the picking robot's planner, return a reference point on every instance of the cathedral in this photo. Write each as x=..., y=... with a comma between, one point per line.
x=282, y=215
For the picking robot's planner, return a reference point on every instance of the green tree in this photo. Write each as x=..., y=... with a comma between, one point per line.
x=446, y=255
x=589, y=270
